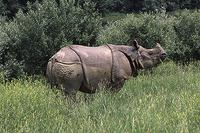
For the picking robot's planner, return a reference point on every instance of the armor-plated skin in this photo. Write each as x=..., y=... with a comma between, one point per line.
x=80, y=68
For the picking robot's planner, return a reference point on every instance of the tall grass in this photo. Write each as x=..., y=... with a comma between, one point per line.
x=167, y=100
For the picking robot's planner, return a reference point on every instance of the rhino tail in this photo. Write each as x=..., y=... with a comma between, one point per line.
x=50, y=76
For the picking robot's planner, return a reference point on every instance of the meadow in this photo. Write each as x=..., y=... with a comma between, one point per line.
x=166, y=100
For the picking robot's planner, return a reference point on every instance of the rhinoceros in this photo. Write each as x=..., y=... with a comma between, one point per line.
x=81, y=68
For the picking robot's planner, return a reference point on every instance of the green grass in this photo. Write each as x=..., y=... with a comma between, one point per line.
x=167, y=100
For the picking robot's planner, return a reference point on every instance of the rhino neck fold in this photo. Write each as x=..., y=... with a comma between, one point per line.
x=139, y=63
x=134, y=66
x=134, y=63
x=112, y=67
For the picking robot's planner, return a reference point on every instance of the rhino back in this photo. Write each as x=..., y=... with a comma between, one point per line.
x=66, y=56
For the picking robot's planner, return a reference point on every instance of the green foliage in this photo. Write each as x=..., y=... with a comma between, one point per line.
x=154, y=5
x=188, y=32
x=145, y=5
x=166, y=101
x=112, y=17
x=2, y=7
x=32, y=38
x=178, y=34
x=105, y=6
x=147, y=29
x=108, y=5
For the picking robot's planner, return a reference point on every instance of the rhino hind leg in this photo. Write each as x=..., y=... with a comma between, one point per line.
x=70, y=78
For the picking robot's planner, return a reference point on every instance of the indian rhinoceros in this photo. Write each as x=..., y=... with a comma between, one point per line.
x=81, y=68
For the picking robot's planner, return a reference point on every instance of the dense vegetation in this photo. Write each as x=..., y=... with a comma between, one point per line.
x=179, y=33
x=105, y=6
x=27, y=42
x=31, y=38
x=145, y=5
x=166, y=101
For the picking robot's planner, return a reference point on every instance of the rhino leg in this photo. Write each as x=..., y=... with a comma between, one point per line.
x=69, y=77
x=116, y=87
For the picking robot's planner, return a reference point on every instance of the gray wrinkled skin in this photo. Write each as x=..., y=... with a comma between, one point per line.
x=80, y=68
x=151, y=57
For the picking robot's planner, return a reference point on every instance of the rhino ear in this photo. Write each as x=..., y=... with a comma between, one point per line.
x=158, y=44
x=135, y=44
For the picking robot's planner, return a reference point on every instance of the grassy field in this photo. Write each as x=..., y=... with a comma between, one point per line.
x=167, y=100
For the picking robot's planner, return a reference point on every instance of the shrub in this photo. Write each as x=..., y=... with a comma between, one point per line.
x=154, y=5
x=179, y=34
x=2, y=8
x=147, y=29
x=32, y=38
x=109, y=5
x=188, y=32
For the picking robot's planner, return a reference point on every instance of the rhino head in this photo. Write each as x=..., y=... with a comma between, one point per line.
x=149, y=58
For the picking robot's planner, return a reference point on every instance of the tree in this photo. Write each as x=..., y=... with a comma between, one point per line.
x=154, y=5
x=2, y=8
x=195, y=4
x=32, y=38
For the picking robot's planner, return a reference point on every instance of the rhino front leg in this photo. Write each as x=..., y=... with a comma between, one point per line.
x=116, y=87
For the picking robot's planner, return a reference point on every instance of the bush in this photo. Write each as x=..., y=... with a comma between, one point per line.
x=154, y=5
x=188, y=32
x=109, y=5
x=144, y=5
x=2, y=8
x=179, y=34
x=32, y=38
x=147, y=29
